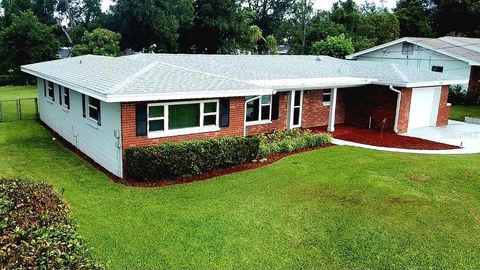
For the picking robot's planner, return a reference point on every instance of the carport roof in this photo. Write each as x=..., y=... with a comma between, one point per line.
x=143, y=77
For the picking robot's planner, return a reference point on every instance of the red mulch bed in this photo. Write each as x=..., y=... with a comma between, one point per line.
x=387, y=139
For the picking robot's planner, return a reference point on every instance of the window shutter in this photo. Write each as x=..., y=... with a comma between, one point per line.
x=141, y=119
x=68, y=98
x=60, y=94
x=84, y=106
x=99, y=121
x=224, y=112
x=53, y=91
x=275, y=106
x=45, y=88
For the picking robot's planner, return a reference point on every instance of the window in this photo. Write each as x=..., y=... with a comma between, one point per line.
x=437, y=69
x=407, y=48
x=182, y=117
x=93, y=109
x=65, y=97
x=259, y=109
x=296, y=109
x=50, y=91
x=327, y=96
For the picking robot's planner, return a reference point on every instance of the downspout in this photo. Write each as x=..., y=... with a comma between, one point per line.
x=397, y=112
x=245, y=111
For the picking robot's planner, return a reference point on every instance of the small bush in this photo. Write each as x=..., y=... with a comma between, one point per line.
x=457, y=96
x=36, y=231
x=173, y=160
x=291, y=140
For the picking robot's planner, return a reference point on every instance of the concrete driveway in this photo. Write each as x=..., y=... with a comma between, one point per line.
x=456, y=133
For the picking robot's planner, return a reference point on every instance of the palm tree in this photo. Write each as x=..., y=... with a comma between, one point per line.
x=255, y=34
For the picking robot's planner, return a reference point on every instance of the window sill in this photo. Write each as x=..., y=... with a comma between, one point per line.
x=91, y=123
x=49, y=100
x=265, y=122
x=65, y=109
x=180, y=132
x=326, y=104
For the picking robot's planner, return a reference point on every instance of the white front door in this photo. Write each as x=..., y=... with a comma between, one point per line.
x=424, y=107
x=296, y=103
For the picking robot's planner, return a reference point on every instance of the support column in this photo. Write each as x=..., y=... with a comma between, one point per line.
x=333, y=107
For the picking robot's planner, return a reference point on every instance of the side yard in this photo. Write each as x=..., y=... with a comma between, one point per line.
x=338, y=207
x=458, y=112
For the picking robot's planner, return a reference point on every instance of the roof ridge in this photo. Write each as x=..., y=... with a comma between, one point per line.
x=395, y=68
x=133, y=77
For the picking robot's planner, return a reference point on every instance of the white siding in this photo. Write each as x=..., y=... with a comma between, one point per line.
x=421, y=58
x=97, y=142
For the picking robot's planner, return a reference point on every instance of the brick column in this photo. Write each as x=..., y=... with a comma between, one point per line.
x=404, y=112
x=443, y=108
x=474, y=83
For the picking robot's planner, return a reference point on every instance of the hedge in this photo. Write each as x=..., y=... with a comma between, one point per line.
x=290, y=140
x=36, y=231
x=458, y=96
x=173, y=160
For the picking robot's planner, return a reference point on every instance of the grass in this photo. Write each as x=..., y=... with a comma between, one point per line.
x=8, y=105
x=338, y=207
x=458, y=112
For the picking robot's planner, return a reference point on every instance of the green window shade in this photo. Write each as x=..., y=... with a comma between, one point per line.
x=156, y=111
x=183, y=116
x=210, y=107
x=156, y=125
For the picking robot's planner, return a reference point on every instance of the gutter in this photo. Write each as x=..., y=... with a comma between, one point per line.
x=397, y=112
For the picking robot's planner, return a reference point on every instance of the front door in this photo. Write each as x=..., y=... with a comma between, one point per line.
x=296, y=102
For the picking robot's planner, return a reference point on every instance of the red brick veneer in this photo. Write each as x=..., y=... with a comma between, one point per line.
x=443, y=109
x=279, y=124
x=474, y=83
x=404, y=112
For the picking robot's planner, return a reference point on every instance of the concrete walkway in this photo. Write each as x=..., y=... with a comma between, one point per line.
x=456, y=133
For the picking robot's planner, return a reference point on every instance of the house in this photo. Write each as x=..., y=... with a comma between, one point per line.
x=104, y=105
x=456, y=56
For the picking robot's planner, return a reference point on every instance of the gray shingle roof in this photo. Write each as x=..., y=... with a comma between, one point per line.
x=177, y=76
x=466, y=49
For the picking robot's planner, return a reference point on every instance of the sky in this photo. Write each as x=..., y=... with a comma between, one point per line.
x=319, y=4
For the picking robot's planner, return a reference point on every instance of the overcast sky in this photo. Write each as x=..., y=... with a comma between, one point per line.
x=319, y=4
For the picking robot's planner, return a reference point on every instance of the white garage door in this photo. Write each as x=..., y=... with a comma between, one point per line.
x=424, y=107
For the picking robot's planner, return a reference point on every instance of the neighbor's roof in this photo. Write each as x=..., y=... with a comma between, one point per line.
x=465, y=49
x=143, y=77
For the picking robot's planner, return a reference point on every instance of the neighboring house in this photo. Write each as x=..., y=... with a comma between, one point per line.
x=64, y=52
x=104, y=105
x=456, y=56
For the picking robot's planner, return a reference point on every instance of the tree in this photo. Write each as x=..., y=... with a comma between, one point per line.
x=453, y=17
x=26, y=41
x=269, y=14
x=414, y=18
x=143, y=23
x=379, y=27
x=339, y=46
x=99, y=42
x=80, y=11
x=295, y=28
x=255, y=35
x=218, y=27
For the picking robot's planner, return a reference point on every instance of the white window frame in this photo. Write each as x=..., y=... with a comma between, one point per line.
x=63, y=97
x=260, y=105
x=327, y=103
x=92, y=106
x=50, y=98
x=183, y=131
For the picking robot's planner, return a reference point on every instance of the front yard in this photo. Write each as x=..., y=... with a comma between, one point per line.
x=337, y=207
x=458, y=112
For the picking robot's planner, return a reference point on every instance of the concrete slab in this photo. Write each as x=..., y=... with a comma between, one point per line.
x=455, y=133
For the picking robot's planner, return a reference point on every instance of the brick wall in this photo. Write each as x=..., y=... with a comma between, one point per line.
x=404, y=112
x=377, y=102
x=130, y=139
x=474, y=83
x=443, y=109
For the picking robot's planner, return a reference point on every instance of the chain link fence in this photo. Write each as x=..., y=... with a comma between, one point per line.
x=19, y=109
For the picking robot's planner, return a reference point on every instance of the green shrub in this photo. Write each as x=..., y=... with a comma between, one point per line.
x=291, y=140
x=173, y=160
x=458, y=96
x=36, y=231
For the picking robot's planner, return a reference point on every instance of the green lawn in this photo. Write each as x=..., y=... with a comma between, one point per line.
x=8, y=104
x=458, y=112
x=338, y=207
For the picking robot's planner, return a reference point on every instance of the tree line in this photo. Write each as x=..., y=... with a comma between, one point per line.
x=33, y=30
